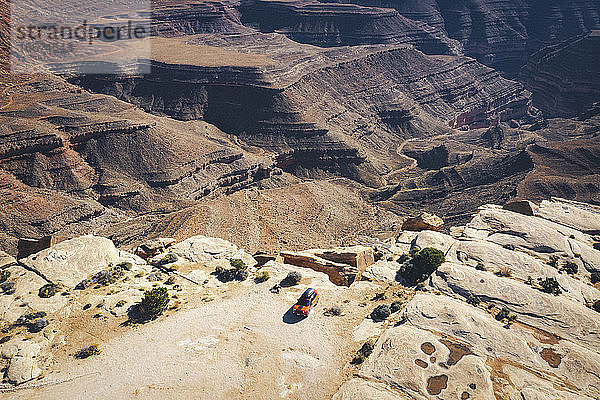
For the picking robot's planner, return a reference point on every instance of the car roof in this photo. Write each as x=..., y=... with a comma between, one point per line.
x=310, y=292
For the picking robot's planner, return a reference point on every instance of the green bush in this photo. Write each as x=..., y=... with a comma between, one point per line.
x=4, y=275
x=292, y=279
x=238, y=272
x=570, y=268
x=480, y=267
x=262, y=276
x=48, y=290
x=505, y=314
x=597, y=245
x=381, y=313
x=403, y=258
x=550, y=285
x=396, y=306
x=595, y=278
x=110, y=275
x=153, y=304
x=423, y=264
x=553, y=262
x=91, y=350
x=333, y=311
x=364, y=352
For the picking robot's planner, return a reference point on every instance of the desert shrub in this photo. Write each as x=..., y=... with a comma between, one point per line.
x=423, y=264
x=333, y=311
x=480, y=267
x=292, y=279
x=364, y=352
x=596, y=246
x=379, y=296
x=403, y=258
x=504, y=271
x=595, y=277
x=238, y=272
x=170, y=280
x=596, y=306
x=381, y=313
x=120, y=303
x=4, y=275
x=550, y=285
x=238, y=264
x=570, y=268
x=262, y=276
x=37, y=325
x=169, y=258
x=505, y=314
x=7, y=287
x=110, y=275
x=126, y=266
x=89, y=351
x=48, y=290
x=153, y=304
x=509, y=246
x=396, y=306
x=529, y=280
x=553, y=261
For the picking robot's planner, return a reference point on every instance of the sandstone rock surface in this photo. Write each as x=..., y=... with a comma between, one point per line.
x=71, y=261
x=423, y=222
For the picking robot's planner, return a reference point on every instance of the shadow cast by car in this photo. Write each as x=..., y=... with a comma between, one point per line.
x=290, y=318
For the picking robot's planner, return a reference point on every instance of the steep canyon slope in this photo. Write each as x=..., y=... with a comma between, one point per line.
x=283, y=99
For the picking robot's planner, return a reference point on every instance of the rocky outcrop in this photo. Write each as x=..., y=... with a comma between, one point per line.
x=340, y=274
x=423, y=222
x=107, y=156
x=488, y=329
x=564, y=77
x=209, y=251
x=23, y=364
x=153, y=247
x=72, y=261
x=331, y=24
x=343, y=265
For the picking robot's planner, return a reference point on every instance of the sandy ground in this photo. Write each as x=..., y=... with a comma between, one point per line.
x=244, y=344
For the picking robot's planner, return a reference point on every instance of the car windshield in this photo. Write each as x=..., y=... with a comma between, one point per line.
x=304, y=301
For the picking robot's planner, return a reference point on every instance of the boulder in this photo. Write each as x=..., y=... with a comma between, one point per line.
x=263, y=258
x=205, y=250
x=356, y=256
x=73, y=260
x=340, y=274
x=153, y=247
x=23, y=364
x=6, y=260
x=433, y=239
x=381, y=271
x=423, y=222
x=524, y=207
